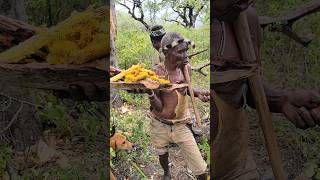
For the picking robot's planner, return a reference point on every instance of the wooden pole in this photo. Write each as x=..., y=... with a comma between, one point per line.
x=248, y=54
x=193, y=101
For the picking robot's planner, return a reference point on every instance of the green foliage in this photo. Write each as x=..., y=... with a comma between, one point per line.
x=53, y=113
x=285, y=61
x=201, y=7
x=56, y=114
x=134, y=50
x=134, y=123
x=156, y=11
x=134, y=46
x=289, y=65
x=317, y=174
x=38, y=10
x=205, y=148
x=139, y=99
x=90, y=120
x=5, y=156
x=112, y=155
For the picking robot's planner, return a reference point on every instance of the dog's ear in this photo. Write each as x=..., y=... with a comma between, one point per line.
x=113, y=144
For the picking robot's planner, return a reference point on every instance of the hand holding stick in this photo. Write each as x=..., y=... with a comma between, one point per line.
x=242, y=30
x=194, y=105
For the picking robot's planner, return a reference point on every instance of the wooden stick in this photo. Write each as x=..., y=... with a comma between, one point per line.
x=196, y=53
x=248, y=54
x=194, y=105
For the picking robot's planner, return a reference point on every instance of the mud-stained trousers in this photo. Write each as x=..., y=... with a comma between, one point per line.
x=162, y=135
x=231, y=157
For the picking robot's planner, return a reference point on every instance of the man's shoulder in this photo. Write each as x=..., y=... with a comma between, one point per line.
x=158, y=69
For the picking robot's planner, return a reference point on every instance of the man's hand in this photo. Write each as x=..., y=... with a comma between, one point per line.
x=114, y=70
x=299, y=108
x=308, y=99
x=204, y=96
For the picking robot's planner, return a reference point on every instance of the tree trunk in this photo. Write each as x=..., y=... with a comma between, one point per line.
x=113, y=33
x=114, y=97
x=14, y=9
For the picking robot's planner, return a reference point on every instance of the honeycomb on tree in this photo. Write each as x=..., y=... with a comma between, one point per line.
x=80, y=38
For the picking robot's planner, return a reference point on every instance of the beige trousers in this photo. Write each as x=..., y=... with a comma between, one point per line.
x=162, y=135
x=231, y=157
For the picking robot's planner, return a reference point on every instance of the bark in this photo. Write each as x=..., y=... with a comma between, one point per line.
x=14, y=9
x=136, y=6
x=285, y=22
x=82, y=82
x=12, y=32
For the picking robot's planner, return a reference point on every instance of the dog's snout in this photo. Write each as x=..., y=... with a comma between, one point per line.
x=133, y=145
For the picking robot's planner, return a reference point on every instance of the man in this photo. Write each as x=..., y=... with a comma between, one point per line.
x=169, y=109
x=231, y=157
x=156, y=34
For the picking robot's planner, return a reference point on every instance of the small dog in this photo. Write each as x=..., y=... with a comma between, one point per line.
x=119, y=142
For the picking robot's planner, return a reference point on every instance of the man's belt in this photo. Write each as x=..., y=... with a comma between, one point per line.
x=230, y=69
x=164, y=121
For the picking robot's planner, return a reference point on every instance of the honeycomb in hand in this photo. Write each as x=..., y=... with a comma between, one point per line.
x=136, y=73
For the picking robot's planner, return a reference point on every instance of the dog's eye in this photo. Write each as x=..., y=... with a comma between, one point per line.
x=123, y=142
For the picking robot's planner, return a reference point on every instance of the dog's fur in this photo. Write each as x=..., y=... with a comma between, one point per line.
x=119, y=142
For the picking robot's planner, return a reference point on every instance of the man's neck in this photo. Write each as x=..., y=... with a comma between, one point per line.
x=170, y=66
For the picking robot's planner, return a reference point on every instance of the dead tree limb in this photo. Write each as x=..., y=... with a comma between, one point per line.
x=200, y=67
x=13, y=31
x=285, y=22
x=187, y=13
x=174, y=20
x=15, y=116
x=136, y=4
x=19, y=100
x=87, y=81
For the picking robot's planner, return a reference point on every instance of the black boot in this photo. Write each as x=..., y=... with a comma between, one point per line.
x=203, y=176
x=164, y=161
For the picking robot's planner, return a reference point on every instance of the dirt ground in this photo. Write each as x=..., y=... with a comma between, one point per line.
x=292, y=158
x=152, y=168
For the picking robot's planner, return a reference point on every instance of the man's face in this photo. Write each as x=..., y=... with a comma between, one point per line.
x=156, y=44
x=179, y=54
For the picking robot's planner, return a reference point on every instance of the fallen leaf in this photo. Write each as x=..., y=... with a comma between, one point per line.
x=6, y=176
x=63, y=161
x=45, y=152
x=124, y=109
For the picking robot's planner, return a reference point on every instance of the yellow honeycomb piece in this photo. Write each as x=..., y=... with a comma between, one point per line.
x=136, y=73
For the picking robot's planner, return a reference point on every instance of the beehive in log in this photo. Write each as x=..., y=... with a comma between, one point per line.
x=82, y=37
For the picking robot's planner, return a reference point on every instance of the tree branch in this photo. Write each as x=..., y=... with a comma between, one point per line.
x=136, y=4
x=284, y=22
x=15, y=116
x=200, y=67
x=174, y=20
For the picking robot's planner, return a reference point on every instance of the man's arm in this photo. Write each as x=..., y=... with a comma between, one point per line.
x=275, y=98
x=295, y=105
x=154, y=95
x=155, y=100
